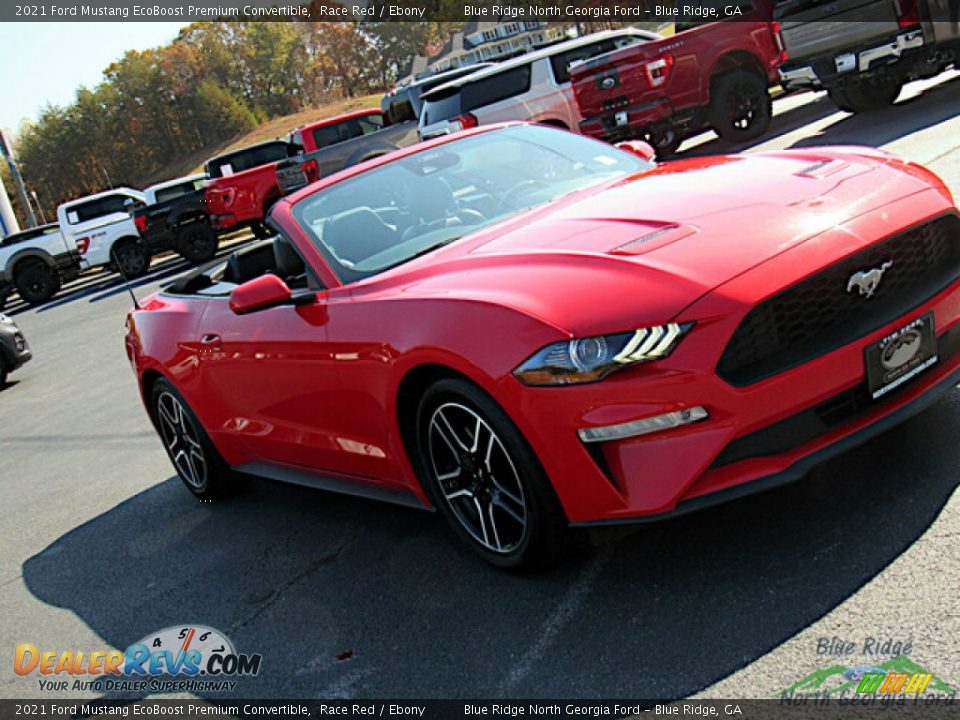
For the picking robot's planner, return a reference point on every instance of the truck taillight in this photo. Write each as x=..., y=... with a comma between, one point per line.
x=908, y=12
x=141, y=223
x=311, y=170
x=658, y=71
x=778, y=39
x=83, y=244
x=465, y=121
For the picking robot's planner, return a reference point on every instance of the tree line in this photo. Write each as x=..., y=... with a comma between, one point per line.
x=214, y=81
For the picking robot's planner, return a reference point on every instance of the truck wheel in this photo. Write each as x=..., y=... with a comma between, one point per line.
x=35, y=282
x=665, y=142
x=740, y=108
x=260, y=231
x=840, y=99
x=197, y=243
x=868, y=96
x=130, y=259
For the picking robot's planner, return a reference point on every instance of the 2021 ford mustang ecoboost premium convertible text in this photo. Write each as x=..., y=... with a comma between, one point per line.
x=531, y=330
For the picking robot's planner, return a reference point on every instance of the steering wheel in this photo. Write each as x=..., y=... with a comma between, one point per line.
x=521, y=188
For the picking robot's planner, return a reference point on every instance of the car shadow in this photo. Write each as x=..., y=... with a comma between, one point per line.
x=348, y=598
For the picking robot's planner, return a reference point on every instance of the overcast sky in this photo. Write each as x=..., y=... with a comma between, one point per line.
x=44, y=63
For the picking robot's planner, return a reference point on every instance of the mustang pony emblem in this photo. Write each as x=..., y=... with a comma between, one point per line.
x=866, y=281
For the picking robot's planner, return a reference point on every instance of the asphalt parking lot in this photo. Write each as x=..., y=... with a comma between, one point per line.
x=347, y=598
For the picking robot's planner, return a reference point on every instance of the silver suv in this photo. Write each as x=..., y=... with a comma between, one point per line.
x=534, y=87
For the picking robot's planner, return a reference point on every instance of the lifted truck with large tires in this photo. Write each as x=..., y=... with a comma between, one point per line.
x=176, y=218
x=862, y=52
x=708, y=75
x=36, y=263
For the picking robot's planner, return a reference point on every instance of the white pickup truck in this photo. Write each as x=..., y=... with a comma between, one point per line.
x=102, y=227
x=36, y=263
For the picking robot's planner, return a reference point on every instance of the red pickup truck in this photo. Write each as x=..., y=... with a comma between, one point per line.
x=243, y=184
x=708, y=75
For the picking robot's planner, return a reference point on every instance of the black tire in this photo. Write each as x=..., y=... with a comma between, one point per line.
x=740, y=106
x=839, y=98
x=130, y=259
x=197, y=462
x=868, y=96
x=3, y=373
x=197, y=243
x=36, y=281
x=500, y=503
x=665, y=142
x=261, y=231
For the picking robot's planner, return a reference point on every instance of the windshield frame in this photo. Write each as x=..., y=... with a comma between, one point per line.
x=348, y=274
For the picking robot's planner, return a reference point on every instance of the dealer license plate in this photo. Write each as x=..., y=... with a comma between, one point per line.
x=901, y=356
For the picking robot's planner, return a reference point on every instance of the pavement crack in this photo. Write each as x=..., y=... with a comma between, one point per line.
x=267, y=602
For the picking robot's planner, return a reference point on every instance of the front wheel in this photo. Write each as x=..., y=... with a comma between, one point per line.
x=36, y=282
x=260, y=231
x=130, y=259
x=486, y=480
x=197, y=462
x=740, y=106
x=197, y=243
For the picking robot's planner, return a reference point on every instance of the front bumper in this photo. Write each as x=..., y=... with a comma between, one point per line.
x=769, y=432
x=826, y=70
x=222, y=223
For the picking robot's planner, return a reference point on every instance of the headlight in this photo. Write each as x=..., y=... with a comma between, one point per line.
x=589, y=359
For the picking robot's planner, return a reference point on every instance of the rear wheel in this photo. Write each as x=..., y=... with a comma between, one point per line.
x=197, y=462
x=36, y=281
x=197, y=242
x=665, y=142
x=486, y=480
x=867, y=96
x=740, y=106
x=130, y=259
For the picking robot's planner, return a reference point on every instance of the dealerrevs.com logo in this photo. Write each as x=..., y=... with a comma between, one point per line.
x=178, y=658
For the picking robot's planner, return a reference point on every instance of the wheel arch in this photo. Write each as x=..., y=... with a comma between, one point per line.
x=27, y=255
x=730, y=61
x=148, y=379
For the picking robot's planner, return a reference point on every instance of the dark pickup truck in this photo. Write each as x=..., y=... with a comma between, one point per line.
x=176, y=218
x=863, y=51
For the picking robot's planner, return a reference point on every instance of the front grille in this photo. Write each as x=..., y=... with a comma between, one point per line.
x=818, y=315
x=810, y=424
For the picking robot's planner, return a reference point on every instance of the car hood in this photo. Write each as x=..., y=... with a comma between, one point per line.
x=640, y=250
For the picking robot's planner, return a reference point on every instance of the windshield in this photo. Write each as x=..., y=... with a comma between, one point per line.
x=391, y=214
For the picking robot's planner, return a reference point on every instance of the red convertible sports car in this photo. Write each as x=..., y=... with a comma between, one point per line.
x=533, y=331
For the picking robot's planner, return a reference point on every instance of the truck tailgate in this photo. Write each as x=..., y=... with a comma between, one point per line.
x=613, y=80
x=817, y=27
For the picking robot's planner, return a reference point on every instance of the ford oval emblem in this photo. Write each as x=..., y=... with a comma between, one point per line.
x=608, y=82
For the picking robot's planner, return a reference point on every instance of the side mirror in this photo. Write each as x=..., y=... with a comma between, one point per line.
x=640, y=148
x=129, y=205
x=264, y=292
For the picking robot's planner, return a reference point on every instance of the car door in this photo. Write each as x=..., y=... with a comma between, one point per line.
x=275, y=393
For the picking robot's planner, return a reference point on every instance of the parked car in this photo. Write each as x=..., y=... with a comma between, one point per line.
x=176, y=218
x=330, y=145
x=863, y=51
x=710, y=75
x=243, y=185
x=533, y=87
x=403, y=103
x=103, y=231
x=14, y=350
x=36, y=263
x=528, y=329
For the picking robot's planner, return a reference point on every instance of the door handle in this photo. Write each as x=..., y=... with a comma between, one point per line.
x=210, y=339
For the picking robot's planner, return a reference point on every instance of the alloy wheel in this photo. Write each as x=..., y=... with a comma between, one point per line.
x=181, y=440
x=743, y=105
x=477, y=477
